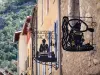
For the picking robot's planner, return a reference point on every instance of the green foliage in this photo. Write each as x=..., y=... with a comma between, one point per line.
x=4, y=64
x=23, y=0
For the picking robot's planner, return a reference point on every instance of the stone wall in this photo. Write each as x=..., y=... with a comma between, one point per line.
x=84, y=63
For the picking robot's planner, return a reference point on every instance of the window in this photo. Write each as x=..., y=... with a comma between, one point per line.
x=42, y=11
x=56, y=42
x=53, y=1
x=47, y=6
x=27, y=61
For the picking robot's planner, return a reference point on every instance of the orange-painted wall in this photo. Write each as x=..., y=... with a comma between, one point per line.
x=47, y=16
x=29, y=53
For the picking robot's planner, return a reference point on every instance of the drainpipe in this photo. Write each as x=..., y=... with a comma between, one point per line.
x=36, y=64
x=59, y=37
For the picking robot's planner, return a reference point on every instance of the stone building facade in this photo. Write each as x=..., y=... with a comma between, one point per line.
x=83, y=63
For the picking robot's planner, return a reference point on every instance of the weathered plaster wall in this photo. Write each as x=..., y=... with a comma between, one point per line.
x=84, y=63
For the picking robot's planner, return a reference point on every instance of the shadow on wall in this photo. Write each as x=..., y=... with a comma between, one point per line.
x=1, y=73
x=95, y=74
